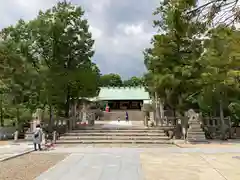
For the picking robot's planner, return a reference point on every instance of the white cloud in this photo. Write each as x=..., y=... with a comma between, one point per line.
x=133, y=29
x=100, y=5
x=130, y=39
x=120, y=33
x=12, y=11
x=96, y=32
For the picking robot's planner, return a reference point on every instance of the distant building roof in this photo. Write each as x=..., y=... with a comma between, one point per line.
x=123, y=93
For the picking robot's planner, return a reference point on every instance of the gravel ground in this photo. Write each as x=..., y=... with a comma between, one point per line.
x=29, y=166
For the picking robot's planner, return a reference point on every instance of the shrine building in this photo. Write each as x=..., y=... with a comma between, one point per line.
x=122, y=98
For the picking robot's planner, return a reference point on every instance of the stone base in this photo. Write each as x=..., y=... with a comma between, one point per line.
x=195, y=133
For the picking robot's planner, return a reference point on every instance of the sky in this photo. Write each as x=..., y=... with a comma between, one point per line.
x=121, y=29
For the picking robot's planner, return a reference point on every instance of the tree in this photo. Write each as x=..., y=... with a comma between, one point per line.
x=16, y=81
x=133, y=82
x=189, y=68
x=173, y=69
x=65, y=44
x=111, y=80
x=55, y=50
x=216, y=12
x=221, y=60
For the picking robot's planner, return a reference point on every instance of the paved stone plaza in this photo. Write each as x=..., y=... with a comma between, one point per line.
x=9, y=149
x=167, y=163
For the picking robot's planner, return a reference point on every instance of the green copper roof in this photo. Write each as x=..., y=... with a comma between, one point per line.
x=123, y=93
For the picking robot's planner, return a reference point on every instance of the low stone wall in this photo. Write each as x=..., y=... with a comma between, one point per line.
x=7, y=133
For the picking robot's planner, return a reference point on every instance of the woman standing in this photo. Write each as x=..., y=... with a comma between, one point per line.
x=37, y=138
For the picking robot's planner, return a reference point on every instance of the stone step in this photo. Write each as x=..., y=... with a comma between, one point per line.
x=196, y=137
x=114, y=138
x=196, y=129
x=197, y=141
x=115, y=134
x=91, y=141
x=199, y=132
x=118, y=130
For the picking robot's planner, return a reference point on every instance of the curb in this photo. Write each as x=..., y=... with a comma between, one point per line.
x=16, y=155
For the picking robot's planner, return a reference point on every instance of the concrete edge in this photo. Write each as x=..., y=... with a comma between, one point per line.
x=16, y=155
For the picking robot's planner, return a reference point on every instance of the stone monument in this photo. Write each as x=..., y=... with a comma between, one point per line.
x=195, y=133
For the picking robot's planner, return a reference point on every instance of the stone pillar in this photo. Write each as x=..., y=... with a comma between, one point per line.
x=161, y=106
x=16, y=135
x=178, y=129
x=145, y=120
x=151, y=116
x=54, y=136
x=43, y=139
x=74, y=114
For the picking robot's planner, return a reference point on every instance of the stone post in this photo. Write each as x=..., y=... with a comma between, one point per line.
x=84, y=111
x=178, y=129
x=54, y=137
x=74, y=113
x=145, y=120
x=16, y=135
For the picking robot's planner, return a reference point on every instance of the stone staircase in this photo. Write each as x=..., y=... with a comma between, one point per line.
x=115, y=136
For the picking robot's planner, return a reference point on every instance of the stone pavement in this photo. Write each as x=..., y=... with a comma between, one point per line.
x=99, y=166
x=167, y=163
x=10, y=150
x=116, y=124
x=190, y=166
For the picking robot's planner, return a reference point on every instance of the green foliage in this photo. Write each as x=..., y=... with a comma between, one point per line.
x=172, y=62
x=46, y=62
x=187, y=67
x=111, y=80
x=65, y=46
x=133, y=82
x=114, y=80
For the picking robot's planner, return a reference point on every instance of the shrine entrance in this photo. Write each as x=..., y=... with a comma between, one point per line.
x=125, y=104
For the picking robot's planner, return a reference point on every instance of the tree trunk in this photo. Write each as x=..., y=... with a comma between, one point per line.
x=1, y=111
x=161, y=111
x=18, y=118
x=157, y=109
x=67, y=104
x=222, y=120
x=74, y=113
x=50, y=118
x=43, y=113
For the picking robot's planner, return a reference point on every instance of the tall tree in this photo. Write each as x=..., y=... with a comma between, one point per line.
x=16, y=77
x=172, y=62
x=133, y=82
x=216, y=12
x=59, y=46
x=111, y=80
x=221, y=60
x=65, y=44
